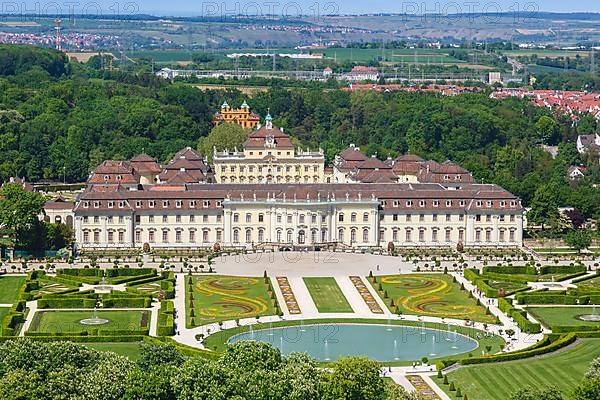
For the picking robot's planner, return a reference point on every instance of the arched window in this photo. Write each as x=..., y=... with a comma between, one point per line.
x=324, y=235
x=353, y=235
x=366, y=217
x=279, y=234
x=290, y=236
x=236, y=236
x=301, y=237
x=353, y=217
x=313, y=236
x=341, y=236
x=248, y=235
x=365, y=235
x=261, y=235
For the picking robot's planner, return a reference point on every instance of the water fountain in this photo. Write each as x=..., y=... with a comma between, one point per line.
x=396, y=358
x=95, y=320
x=281, y=344
x=103, y=287
x=327, y=351
x=593, y=317
x=302, y=326
x=389, y=325
x=423, y=329
x=270, y=329
x=454, y=341
x=251, y=332
x=448, y=339
x=432, y=354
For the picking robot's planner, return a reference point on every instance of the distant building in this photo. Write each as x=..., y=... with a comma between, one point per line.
x=361, y=73
x=575, y=172
x=588, y=142
x=241, y=116
x=269, y=156
x=327, y=72
x=494, y=78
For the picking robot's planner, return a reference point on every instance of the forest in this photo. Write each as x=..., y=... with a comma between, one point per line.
x=59, y=119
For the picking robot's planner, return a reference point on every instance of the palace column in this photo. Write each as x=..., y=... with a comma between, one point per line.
x=496, y=232
x=228, y=227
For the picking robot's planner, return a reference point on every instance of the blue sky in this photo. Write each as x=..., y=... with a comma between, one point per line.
x=366, y=6
x=306, y=7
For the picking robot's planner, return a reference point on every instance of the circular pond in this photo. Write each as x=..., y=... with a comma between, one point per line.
x=379, y=342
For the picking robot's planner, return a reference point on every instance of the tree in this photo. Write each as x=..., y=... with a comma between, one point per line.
x=19, y=209
x=544, y=207
x=579, y=239
x=547, y=129
x=222, y=137
x=594, y=370
x=397, y=392
x=589, y=388
x=576, y=217
x=152, y=356
x=353, y=378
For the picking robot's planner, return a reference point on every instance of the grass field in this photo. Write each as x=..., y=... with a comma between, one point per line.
x=564, y=369
x=507, y=286
x=129, y=350
x=590, y=284
x=9, y=288
x=3, y=312
x=563, y=316
x=221, y=298
x=432, y=295
x=327, y=295
x=69, y=321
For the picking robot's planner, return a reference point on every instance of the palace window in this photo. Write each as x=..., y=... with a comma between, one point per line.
x=121, y=236
x=461, y=235
x=192, y=236
x=86, y=237
x=395, y=235
x=366, y=217
x=219, y=236
x=448, y=235
x=248, y=218
x=138, y=236
x=165, y=236
x=408, y=235
x=151, y=236
x=205, y=236
x=434, y=235
x=110, y=236
x=353, y=236
x=96, y=237
x=448, y=217
x=341, y=235
x=261, y=235
x=165, y=219
x=365, y=236
x=178, y=219
x=236, y=236
x=353, y=217
x=421, y=235
x=236, y=218
x=341, y=218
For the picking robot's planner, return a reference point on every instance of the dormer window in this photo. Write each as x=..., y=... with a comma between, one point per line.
x=96, y=204
x=409, y=203
x=461, y=203
x=396, y=203
x=151, y=204
x=436, y=203
x=111, y=204
x=121, y=204
x=219, y=204
x=193, y=204
x=478, y=203
x=178, y=203
x=165, y=203
x=448, y=203
x=488, y=204
x=86, y=204
x=206, y=203
x=106, y=178
x=513, y=203
x=138, y=204
x=503, y=204
x=446, y=178
x=119, y=178
x=422, y=203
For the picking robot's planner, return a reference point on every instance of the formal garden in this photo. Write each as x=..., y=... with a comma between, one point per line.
x=432, y=295
x=220, y=298
x=327, y=295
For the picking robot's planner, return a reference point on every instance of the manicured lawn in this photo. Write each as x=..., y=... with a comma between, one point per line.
x=565, y=316
x=130, y=350
x=590, y=284
x=218, y=341
x=222, y=298
x=69, y=321
x=3, y=313
x=9, y=288
x=433, y=295
x=498, y=381
x=327, y=295
x=507, y=286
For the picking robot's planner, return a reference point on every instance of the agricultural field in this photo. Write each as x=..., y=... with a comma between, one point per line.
x=432, y=295
x=327, y=295
x=53, y=322
x=563, y=369
x=220, y=298
x=9, y=288
x=552, y=317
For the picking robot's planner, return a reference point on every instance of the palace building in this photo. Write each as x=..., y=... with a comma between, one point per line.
x=241, y=116
x=269, y=156
x=271, y=194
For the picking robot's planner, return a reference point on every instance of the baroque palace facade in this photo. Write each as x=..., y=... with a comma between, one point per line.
x=287, y=198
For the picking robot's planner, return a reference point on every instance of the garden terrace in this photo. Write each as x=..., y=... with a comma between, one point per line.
x=66, y=323
x=565, y=319
x=432, y=295
x=327, y=295
x=220, y=298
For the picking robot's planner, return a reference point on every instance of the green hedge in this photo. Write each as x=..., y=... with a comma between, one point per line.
x=472, y=274
x=84, y=339
x=511, y=270
x=561, y=269
x=524, y=324
x=166, y=319
x=66, y=302
x=91, y=333
x=505, y=305
x=546, y=298
x=575, y=328
x=115, y=272
x=67, y=281
x=10, y=323
x=126, y=302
